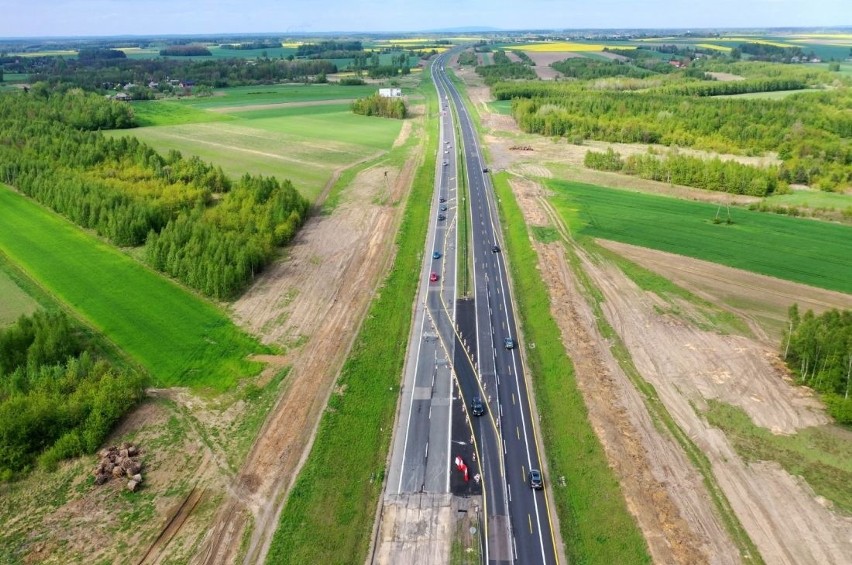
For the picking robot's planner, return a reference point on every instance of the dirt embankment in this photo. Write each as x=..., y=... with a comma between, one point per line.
x=763, y=301
x=662, y=489
x=781, y=514
x=311, y=304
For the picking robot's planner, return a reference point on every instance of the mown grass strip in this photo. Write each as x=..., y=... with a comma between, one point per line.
x=594, y=521
x=179, y=338
x=329, y=514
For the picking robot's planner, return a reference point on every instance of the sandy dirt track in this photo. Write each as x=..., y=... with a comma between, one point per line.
x=311, y=304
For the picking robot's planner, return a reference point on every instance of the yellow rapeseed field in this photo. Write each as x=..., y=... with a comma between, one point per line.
x=559, y=46
x=716, y=47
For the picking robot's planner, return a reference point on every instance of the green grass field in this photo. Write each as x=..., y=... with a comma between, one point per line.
x=501, y=107
x=774, y=95
x=14, y=302
x=304, y=144
x=279, y=94
x=179, y=338
x=805, y=251
x=813, y=199
x=172, y=113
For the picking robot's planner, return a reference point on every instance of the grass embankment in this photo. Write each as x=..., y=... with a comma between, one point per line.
x=795, y=249
x=329, y=514
x=178, y=337
x=821, y=455
x=594, y=521
x=464, y=259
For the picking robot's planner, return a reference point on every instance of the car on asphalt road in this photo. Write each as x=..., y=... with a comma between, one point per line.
x=446, y=163
x=477, y=408
x=436, y=255
x=509, y=343
x=433, y=277
x=441, y=217
x=495, y=248
x=443, y=207
x=442, y=199
x=535, y=479
x=484, y=169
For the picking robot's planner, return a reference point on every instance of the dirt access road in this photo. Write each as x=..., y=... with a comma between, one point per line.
x=312, y=304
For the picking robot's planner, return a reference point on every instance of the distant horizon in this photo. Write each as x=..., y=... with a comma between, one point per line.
x=462, y=30
x=68, y=19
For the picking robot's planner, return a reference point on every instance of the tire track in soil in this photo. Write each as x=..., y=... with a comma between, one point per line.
x=173, y=526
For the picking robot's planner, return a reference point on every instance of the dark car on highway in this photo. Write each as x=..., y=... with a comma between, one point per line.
x=441, y=217
x=477, y=408
x=436, y=255
x=536, y=481
x=495, y=248
x=509, y=343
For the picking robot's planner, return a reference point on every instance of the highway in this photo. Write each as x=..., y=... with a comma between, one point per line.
x=456, y=352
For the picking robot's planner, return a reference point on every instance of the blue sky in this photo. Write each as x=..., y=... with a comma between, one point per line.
x=26, y=18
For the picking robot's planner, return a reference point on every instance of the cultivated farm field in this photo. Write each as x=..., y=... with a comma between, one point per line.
x=182, y=340
x=805, y=251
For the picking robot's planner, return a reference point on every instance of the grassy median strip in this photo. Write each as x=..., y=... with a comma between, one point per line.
x=594, y=521
x=328, y=517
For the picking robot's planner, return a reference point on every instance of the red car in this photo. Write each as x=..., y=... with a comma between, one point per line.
x=433, y=277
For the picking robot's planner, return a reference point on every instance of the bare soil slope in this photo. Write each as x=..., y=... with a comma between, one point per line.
x=663, y=491
x=312, y=304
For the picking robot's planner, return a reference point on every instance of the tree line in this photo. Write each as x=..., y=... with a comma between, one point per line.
x=196, y=224
x=587, y=69
x=102, y=75
x=818, y=350
x=708, y=174
x=376, y=105
x=504, y=69
x=185, y=51
x=58, y=399
x=468, y=58
x=808, y=132
x=716, y=88
x=321, y=49
x=220, y=249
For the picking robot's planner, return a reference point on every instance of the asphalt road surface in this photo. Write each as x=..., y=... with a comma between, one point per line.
x=500, y=370
x=457, y=352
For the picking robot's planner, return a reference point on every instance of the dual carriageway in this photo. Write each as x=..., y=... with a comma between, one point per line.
x=457, y=351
